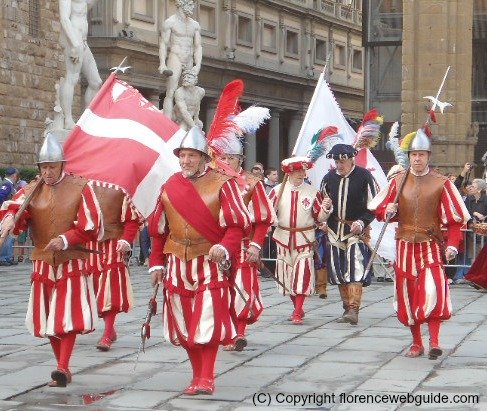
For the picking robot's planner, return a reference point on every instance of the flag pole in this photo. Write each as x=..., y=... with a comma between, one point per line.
x=303, y=126
x=311, y=104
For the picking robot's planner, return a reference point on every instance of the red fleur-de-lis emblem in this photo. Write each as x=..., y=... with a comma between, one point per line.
x=306, y=203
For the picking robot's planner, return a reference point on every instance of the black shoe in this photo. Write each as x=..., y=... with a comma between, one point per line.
x=5, y=263
x=389, y=280
x=380, y=279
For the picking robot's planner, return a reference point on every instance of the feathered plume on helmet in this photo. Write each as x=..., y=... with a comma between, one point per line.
x=368, y=133
x=323, y=141
x=223, y=124
x=224, y=129
x=392, y=144
x=247, y=121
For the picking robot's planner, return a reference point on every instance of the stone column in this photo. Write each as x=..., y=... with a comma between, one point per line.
x=250, y=151
x=436, y=35
x=274, y=147
x=294, y=128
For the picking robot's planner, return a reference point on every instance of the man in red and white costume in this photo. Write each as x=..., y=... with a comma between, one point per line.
x=245, y=267
x=427, y=202
x=299, y=207
x=111, y=276
x=198, y=225
x=63, y=212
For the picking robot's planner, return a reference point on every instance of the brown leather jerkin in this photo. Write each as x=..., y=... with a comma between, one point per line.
x=184, y=241
x=111, y=201
x=53, y=210
x=418, y=215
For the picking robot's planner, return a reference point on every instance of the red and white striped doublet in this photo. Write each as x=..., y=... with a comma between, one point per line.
x=197, y=295
x=421, y=288
x=298, y=211
x=113, y=288
x=245, y=275
x=196, y=302
x=62, y=299
x=295, y=269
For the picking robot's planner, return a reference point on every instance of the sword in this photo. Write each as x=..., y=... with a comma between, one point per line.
x=225, y=265
x=145, y=329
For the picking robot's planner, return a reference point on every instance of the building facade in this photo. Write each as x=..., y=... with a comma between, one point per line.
x=408, y=46
x=278, y=47
x=31, y=62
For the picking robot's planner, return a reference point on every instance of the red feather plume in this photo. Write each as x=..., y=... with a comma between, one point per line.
x=371, y=115
x=227, y=107
x=328, y=131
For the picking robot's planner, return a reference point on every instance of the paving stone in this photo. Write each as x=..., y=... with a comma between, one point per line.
x=458, y=378
x=321, y=356
x=136, y=399
x=358, y=356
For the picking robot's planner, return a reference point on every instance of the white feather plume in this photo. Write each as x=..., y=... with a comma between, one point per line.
x=393, y=145
x=252, y=118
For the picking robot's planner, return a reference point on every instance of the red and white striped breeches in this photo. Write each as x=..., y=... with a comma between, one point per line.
x=62, y=299
x=422, y=291
x=196, y=303
x=295, y=269
x=245, y=276
x=113, y=288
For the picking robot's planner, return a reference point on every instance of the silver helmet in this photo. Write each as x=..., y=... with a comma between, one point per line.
x=51, y=150
x=194, y=139
x=421, y=142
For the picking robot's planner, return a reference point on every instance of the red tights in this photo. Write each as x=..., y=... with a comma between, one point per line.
x=63, y=348
x=203, y=358
x=109, y=319
x=298, y=302
x=434, y=330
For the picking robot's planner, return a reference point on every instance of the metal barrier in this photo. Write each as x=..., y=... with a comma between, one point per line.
x=472, y=244
x=22, y=253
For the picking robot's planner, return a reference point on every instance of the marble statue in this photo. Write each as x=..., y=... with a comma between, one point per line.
x=187, y=99
x=179, y=49
x=77, y=55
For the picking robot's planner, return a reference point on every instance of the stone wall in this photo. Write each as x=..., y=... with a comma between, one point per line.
x=31, y=62
x=438, y=34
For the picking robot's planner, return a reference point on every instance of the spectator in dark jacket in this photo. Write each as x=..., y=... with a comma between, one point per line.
x=7, y=190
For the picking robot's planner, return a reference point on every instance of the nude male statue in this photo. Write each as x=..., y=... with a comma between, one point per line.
x=187, y=100
x=77, y=55
x=180, y=48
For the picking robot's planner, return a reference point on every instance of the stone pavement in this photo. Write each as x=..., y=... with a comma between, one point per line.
x=283, y=362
